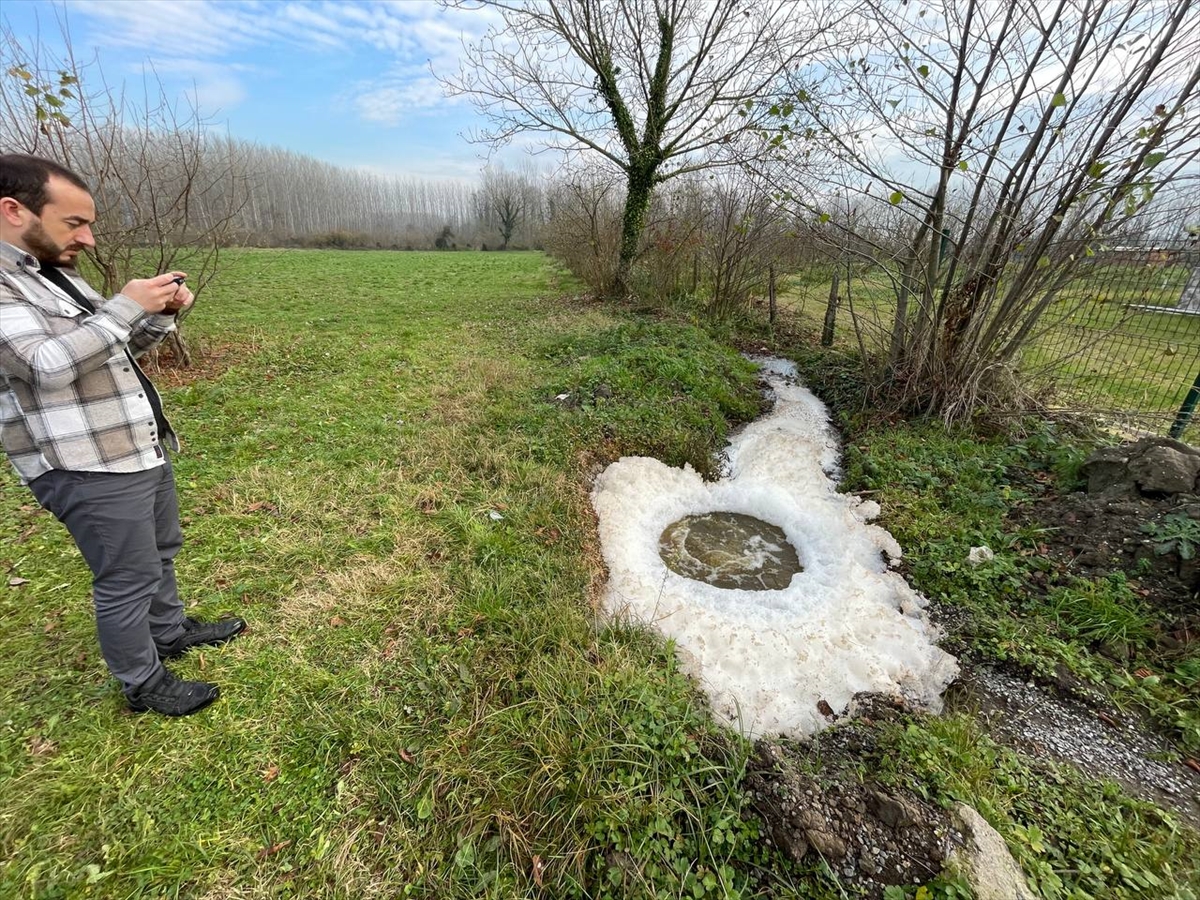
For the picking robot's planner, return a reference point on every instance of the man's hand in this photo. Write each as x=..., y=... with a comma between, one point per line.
x=182, y=300
x=156, y=294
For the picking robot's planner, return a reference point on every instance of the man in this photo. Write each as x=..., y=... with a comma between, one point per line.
x=84, y=427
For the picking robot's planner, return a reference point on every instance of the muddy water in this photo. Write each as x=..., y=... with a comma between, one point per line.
x=730, y=550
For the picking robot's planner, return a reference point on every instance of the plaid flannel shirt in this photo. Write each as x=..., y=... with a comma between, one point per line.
x=69, y=398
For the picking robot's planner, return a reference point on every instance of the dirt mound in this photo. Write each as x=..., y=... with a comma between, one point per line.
x=872, y=836
x=1140, y=516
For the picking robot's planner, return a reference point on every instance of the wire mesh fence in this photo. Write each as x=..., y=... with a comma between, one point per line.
x=1121, y=342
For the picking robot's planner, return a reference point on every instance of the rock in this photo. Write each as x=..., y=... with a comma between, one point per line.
x=809, y=820
x=984, y=860
x=826, y=843
x=1164, y=470
x=1105, y=468
x=602, y=392
x=892, y=812
x=1116, y=650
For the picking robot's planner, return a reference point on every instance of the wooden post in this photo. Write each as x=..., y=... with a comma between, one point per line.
x=771, y=292
x=830, y=312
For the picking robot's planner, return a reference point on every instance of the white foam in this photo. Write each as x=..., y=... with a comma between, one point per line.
x=846, y=624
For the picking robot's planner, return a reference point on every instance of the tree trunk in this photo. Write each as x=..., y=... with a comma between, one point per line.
x=633, y=222
x=831, y=313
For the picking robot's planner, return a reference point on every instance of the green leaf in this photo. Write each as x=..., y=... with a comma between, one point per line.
x=41, y=114
x=923, y=71
x=465, y=857
x=788, y=109
x=893, y=103
x=823, y=218
x=774, y=110
x=425, y=807
x=962, y=164
x=20, y=72
x=895, y=198
x=1060, y=99
x=1153, y=159
x=1097, y=169
x=802, y=96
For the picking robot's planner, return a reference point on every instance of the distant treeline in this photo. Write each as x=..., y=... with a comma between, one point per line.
x=296, y=200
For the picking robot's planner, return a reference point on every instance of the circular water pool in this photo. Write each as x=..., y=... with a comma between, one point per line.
x=730, y=550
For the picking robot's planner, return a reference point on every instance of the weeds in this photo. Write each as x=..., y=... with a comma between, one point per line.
x=1176, y=533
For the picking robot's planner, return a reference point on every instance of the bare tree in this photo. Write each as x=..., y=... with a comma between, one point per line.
x=502, y=204
x=584, y=226
x=995, y=146
x=167, y=191
x=656, y=88
x=743, y=233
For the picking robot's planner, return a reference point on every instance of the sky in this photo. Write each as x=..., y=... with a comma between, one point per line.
x=345, y=81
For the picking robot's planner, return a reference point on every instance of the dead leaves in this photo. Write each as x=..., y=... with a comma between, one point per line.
x=538, y=868
x=270, y=773
x=548, y=535
x=40, y=746
x=271, y=850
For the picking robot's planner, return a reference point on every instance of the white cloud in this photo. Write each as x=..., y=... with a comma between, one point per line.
x=214, y=33
x=399, y=96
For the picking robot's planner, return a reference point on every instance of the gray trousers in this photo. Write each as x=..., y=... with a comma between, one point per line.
x=127, y=528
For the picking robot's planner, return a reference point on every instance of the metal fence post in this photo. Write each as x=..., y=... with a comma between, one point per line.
x=1184, y=416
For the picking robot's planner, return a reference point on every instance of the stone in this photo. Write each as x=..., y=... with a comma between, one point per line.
x=809, y=820
x=1116, y=650
x=826, y=843
x=892, y=812
x=1106, y=468
x=1164, y=470
x=984, y=859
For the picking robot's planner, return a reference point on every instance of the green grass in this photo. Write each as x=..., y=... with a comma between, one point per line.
x=424, y=704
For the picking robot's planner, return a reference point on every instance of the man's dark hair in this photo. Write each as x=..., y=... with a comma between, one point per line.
x=24, y=178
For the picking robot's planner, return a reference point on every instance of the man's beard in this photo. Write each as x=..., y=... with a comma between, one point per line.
x=45, y=250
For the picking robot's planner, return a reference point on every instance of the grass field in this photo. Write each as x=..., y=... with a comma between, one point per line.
x=380, y=483
x=376, y=475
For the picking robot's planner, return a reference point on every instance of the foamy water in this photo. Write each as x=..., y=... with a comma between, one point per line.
x=846, y=623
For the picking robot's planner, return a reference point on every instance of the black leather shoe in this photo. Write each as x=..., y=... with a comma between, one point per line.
x=173, y=696
x=202, y=634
